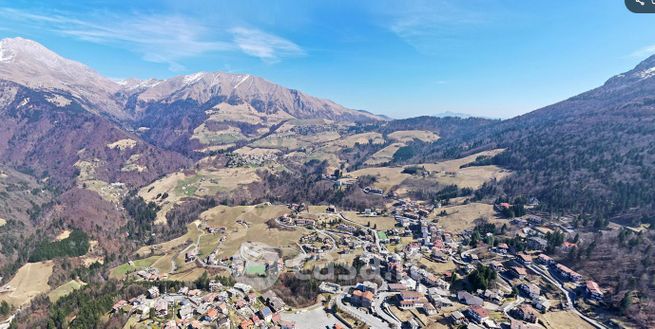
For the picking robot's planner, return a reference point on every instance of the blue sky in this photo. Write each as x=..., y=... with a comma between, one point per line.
x=400, y=58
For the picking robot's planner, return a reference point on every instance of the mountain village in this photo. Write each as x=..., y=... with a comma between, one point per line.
x=406, y=290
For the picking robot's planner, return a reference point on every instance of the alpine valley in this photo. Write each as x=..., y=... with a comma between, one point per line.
x=193, y=202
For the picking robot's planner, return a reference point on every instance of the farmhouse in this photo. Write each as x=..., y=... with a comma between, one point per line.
x=526, y=313
x=519, y=272
x=477, y=313
x=410, y=299
x=592, y=291
x=161, y=307
x=362, y=298
x=531, y=290
x=524, y=259
x=545, y=259
x=567, y=273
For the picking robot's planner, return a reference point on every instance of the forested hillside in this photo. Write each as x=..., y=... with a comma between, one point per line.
x=593, y=153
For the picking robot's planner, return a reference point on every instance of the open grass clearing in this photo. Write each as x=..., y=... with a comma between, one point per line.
x=206, y=136
x=164, y=264
x=406, y=136
x=386, y=177
x=438, y=267
x=122, y=144
x=255, y=229
x=443, y=173
x=363, y=138
x=63, y=235
x=64, y=290
x=471, y=177
x=207, y=244
x=290, y=140
x=245, y=113
x=380, y=222
x=90, y=260
x=256, y=151
x=384, y=155
x=187, y=275
x=563, y=319
x=462, y=217
x=119, y=272
x=180, y=185
x=193, y=231
x=30, y=281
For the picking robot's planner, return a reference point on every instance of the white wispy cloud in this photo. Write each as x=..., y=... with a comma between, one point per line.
x=428, y=24
x=165, y=39
x=643, y=52
x=263, y=45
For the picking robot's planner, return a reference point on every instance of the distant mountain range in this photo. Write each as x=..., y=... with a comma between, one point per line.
x=452, y=115
x=52, y=107
x=30, y=64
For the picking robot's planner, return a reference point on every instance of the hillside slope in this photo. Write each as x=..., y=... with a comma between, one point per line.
x=593, y=153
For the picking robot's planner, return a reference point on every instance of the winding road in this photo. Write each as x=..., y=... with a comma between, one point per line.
x=544, y=274
x=370, y=320
x=380, y=309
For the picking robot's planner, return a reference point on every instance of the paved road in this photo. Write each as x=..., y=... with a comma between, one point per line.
x=382, y=312
x=370, y=320
x=374, y=232
x=512, y=305
x=465, y=253
x=334, y=242
x=544, y=274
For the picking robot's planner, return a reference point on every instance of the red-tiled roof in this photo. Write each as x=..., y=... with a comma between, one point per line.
x=368, y=295
x=409, y=294
x=593, y=287
x=480, y=311
x=520, y=270
x=525, y=258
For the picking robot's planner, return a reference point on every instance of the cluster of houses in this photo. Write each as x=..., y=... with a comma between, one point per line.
x=236, y=160
x=415, y=287
x=220, y=307
x=294, y=220
x=373, y=190
x=149, y=274
x=407, y=283
x=315, y=243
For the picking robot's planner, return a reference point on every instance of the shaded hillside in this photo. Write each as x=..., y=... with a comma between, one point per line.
x=593, y=153
x=22, y=200
x=445, y=127
x=622, y=262
x=46, y=134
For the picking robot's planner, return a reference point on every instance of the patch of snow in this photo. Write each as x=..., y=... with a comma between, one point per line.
x=242, y=81
x=6, y=55
x=133, y=84
x=193, y=78
x=647, y=73
x=149, y=83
